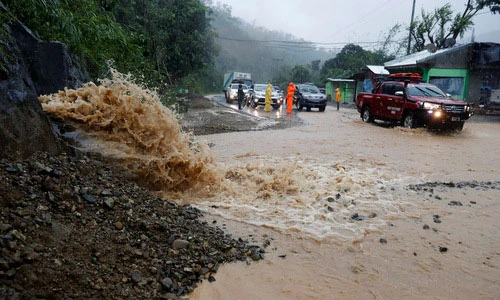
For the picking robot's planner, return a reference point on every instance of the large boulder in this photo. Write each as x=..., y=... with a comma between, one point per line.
x=49, y=63
x=30, y=67
x=24, y=127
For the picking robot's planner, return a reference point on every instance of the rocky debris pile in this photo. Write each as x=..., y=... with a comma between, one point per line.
x=76, y=228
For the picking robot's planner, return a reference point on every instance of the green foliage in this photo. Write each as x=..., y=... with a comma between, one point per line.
x=171, y=43
x=88, y=30
x=160, y=41
x=176, y=34
x=315, y=64
x=301, y=74
x=493, y=5
x=282, y=76
x=350, y=60
x=163, y=39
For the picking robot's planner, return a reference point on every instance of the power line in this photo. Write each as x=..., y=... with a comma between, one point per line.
x=295, y=42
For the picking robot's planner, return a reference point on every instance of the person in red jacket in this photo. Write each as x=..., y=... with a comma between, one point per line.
x=289, y=97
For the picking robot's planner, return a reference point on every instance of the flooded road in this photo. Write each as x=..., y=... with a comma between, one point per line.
x=360, y=211
x=341, y=209
x=258, y=111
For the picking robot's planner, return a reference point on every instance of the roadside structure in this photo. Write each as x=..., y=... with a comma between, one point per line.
x=347, y=88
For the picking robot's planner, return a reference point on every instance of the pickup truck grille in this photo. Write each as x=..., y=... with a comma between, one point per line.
x=454, y=108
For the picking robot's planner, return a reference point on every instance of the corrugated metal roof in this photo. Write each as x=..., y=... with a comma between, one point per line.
x=340, y=80
x=379, y=70
x=412, y=59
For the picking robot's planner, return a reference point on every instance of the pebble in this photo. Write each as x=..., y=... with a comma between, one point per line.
x=357, y=217
x=443, y=249
x=118, y=225
x=180, y=244
x=436, y=219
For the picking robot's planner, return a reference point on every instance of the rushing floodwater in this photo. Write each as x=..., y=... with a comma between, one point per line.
x=337, y=197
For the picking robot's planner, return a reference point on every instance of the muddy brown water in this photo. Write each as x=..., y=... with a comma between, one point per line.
x=399, y=251
x=340, y=200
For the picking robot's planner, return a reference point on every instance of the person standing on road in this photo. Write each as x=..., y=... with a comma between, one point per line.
x=269, y=97
x=241, y=95
x=338, y=97
x=289, y=97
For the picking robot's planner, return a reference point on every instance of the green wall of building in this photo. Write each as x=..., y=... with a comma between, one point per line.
x=428, y=74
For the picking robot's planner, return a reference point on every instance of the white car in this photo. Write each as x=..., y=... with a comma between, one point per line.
x=232, y=92
x=257, y=96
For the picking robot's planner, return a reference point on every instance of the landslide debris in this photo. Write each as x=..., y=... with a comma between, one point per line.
x=74, y=227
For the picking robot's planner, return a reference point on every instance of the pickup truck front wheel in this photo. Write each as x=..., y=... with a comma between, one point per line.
x=409, y=120
x=366, y=115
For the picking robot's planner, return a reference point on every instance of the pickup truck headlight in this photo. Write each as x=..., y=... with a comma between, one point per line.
x=431, y=106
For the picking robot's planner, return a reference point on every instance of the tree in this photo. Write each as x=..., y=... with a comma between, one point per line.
x=493, y=5
x=441, y=28
x=176, y=35
x=301, y=74
x=350, y=60
x=315, y=64
x=86, y=27
x=154, y=39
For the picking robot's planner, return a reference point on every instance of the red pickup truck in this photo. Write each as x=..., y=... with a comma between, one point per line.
x=412, y=103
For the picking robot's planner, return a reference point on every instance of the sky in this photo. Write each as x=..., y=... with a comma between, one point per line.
x=333, y=23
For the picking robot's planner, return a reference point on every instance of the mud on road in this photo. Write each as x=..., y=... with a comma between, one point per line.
x=205, y=116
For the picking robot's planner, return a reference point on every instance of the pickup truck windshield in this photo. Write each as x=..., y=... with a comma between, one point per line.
x=425, y=90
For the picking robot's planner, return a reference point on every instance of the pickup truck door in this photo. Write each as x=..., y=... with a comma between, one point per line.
x=392, y=104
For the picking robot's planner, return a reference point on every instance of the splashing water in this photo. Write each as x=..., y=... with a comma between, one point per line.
x=319, y=200
x=131, y=123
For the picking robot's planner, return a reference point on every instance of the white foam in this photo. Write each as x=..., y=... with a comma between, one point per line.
x=312, y=198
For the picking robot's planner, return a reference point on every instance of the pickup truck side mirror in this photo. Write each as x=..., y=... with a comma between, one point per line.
x=399, y=93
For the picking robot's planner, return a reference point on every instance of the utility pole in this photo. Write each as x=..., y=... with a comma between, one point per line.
x=411, y=29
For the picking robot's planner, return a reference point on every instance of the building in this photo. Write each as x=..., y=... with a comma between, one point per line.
x=347, y=89
x=368, y=78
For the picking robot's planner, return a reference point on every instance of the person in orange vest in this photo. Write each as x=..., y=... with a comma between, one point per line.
x=269, y=97
x=338, y=97
x=289, y=97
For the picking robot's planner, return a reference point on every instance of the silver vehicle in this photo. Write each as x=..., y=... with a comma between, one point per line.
x=257, y=96
x=232, y=92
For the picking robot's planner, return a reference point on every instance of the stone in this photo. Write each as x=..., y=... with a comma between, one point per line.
x=118, y=225
x=180, y=244
x=30, y=67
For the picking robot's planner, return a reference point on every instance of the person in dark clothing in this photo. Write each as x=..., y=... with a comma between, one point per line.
x=241, y=96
